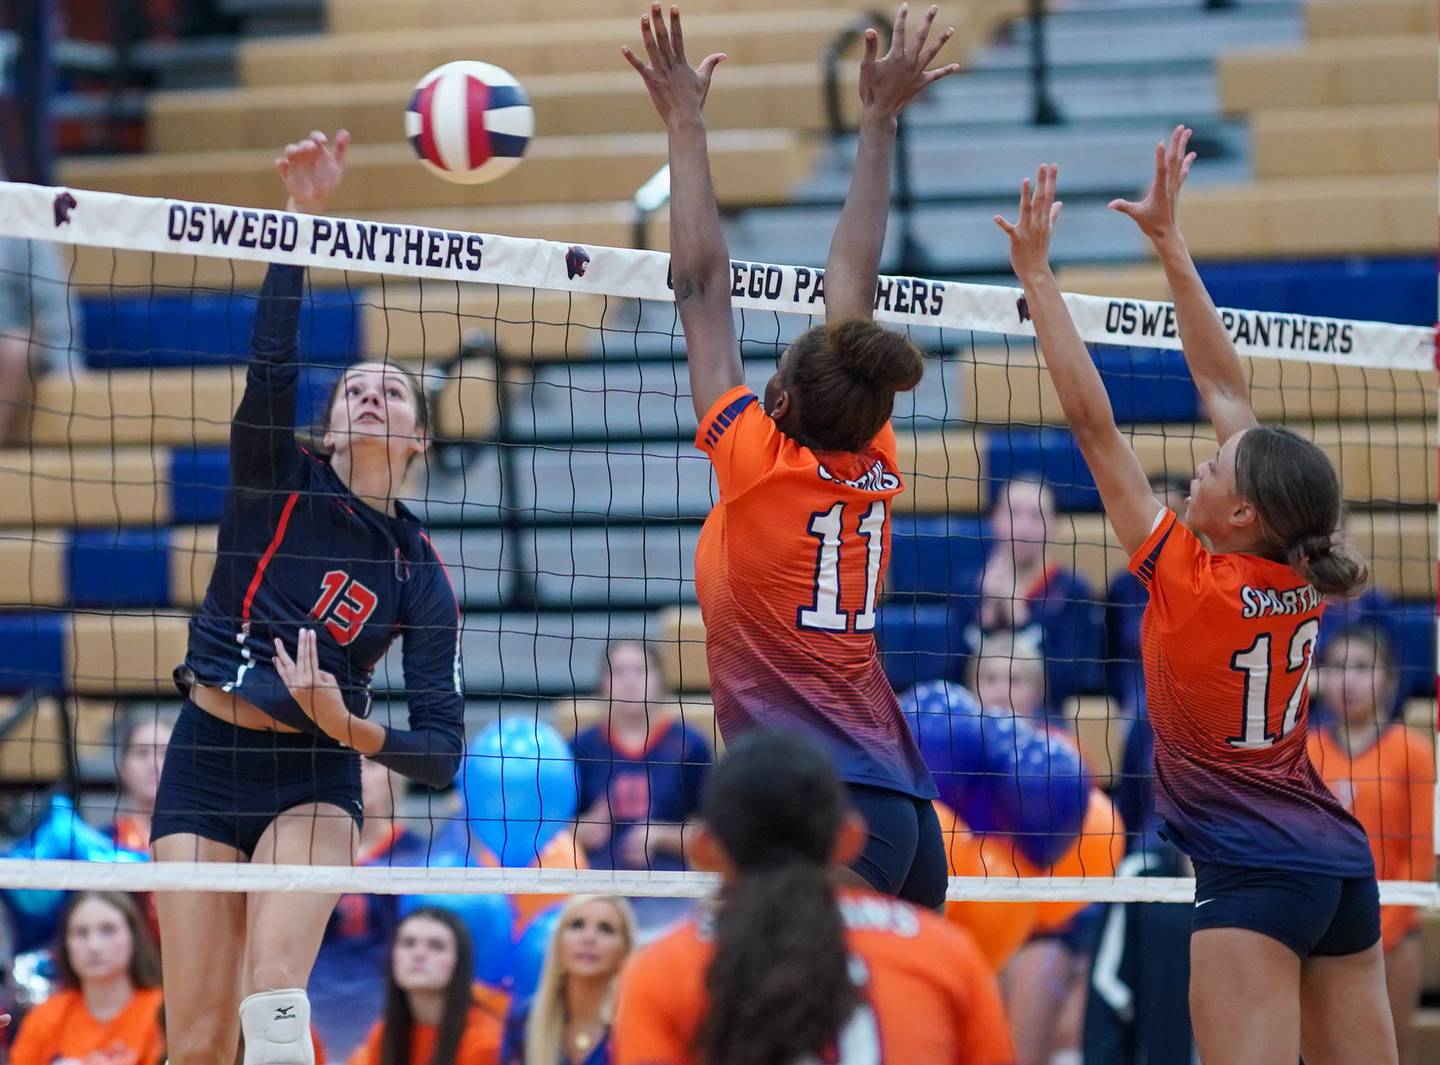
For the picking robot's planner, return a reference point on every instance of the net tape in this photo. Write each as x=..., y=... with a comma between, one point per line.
x=165, y=226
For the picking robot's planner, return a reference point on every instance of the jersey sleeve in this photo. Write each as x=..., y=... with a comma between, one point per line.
x=36, y=1042
x=430, y=750
x=741, y=441
x=1174, y=568
x=263, y=450
x=987, y=1039
x=647, y=1031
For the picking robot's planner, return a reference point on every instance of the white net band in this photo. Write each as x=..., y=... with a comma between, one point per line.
x=178, y=227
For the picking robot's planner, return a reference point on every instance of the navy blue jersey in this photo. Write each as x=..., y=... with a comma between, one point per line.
x=660, y=782
x=297, y=549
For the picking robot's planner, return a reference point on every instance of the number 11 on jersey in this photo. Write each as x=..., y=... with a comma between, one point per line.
x=828, y=526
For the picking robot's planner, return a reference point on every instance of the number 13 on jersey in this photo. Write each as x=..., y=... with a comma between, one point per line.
x=823, y=613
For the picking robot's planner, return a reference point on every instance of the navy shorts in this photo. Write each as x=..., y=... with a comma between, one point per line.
x=227, y=784
x=905, y=854
x=1310, y=913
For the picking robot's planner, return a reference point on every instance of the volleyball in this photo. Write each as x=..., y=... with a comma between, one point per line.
x=469, y=122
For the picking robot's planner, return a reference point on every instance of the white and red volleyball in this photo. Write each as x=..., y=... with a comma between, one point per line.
x=469, y=122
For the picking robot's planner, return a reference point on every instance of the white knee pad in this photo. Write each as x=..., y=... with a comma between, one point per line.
x=276, y=1025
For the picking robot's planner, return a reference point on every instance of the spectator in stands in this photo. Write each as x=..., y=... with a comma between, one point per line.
x=567, y=1020
x=1007, y=673
x=1384, y=773
x=38, y=322
x=1022, y=588
x=142, y=752
x=109, y=1002
x=347, y=984
x=640, y=769
x=432, y=1014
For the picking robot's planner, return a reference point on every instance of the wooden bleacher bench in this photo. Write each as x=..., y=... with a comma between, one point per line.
x=749, y=166
x=125, y=654
x=32, y=567
x=1361, y=18
x=944, y=472
x=1391, y=214
x=1354, y=139
x=151, y=407
x=85, y=486
x=1349, y=70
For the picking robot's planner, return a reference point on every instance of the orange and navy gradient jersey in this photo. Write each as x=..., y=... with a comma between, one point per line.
x=1389, y=787
x=788, y=574
x=1227, y=641
x=928, y=998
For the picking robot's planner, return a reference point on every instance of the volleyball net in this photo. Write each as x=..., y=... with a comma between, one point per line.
x=565, y=494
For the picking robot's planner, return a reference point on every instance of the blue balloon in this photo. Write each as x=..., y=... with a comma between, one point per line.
x=519, y=789
x=489, y=919
x=64, y=835
x=528, y=957
x=946, y=720
x=1043, y=805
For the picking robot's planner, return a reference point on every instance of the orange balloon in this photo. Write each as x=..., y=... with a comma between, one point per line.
x=999, y=928
x=1096, y=853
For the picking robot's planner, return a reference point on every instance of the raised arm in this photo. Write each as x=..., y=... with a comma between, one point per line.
x=1124, y=489
x=262, y=436
x=699, y=260
x=1214, y=365
x=887, y=84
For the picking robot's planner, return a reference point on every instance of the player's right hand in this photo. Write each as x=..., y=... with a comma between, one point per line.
x=889, y=82
x=677, y=89
x=311, y=169
x=1155, y=214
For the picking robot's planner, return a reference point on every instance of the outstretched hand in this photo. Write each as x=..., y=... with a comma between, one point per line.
x=889, y=82
x=311, y=169
x=676, y=88
x=1155, y=214
x=1030, y=233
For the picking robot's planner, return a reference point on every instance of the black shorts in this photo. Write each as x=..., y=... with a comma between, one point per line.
x=227, y=784
x=1310, y=913
x=905, y=854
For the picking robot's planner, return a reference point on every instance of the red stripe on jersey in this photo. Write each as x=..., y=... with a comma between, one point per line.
x=477, y=99
x=267, y=556
x=428, y=148
x=443, y=569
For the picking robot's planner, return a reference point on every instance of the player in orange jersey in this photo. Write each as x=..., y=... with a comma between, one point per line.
x=788, y=968
x=1384, y=773
x=1287, y=914
x=790, y=561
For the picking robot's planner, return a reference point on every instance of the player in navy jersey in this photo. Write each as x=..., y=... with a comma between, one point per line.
x=319, y=569
x=1285, y=954
x=640, y=771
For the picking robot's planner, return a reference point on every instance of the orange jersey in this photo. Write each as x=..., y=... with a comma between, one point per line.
x=1389, y=787
x=930, y=998
x=1227, y=642
x=479, y=1045
x=788, y=573
x=62, y=1028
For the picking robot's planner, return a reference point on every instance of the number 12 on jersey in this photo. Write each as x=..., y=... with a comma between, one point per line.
x=1254, y=663
x=828, y=526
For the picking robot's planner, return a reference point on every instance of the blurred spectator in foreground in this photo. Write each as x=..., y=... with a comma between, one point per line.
x=1384, y=773
x=38, y=322
x=1023, y=589
x=567, y=1021
x=109, y=1003
x=1007, y=673
x=640, y=768
x=347, y=984
x=432, y=1014
x=142, y=747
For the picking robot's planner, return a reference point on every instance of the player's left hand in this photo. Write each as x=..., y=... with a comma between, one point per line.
x=1155, y=214
x=310, y=685
x=676, y=88
x=1030, y=233
x=889, y=82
